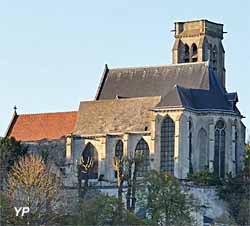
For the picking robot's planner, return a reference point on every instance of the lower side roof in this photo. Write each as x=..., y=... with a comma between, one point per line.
x=35, y=127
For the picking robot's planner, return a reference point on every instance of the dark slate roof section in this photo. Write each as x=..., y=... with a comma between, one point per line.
x=232, y=97
x=152, y=81
x=215, y=99
x=171, y=99
x=115, y=116
x=191, y=85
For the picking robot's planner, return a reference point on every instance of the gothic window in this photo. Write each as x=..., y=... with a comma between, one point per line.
x=90, y=154
x=167, y=145
x=219, y=149
x=203, y=149
x=186, y=53
x=142, y=152
x=194, y=53
x=236, y=157
x=119, y=149
x=190, y=145
x=118, y=152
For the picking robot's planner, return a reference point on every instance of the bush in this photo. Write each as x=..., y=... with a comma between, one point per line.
x=164, y=202
x=236, y=192
x=97, y=208
x=204, y=178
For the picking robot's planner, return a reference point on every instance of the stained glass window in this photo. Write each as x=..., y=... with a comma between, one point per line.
x=142, y=151
x=190, y=146
x=219, y=149
x=203, y=150
x=236, y=150
x=167, y=145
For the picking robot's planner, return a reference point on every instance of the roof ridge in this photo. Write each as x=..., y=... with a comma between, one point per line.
x=160, y=66
x=48, y=113
x=121, y=99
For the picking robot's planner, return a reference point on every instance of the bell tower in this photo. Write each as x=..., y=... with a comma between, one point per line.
x=198, y=41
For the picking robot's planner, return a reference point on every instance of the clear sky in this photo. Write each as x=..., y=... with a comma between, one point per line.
x=52, y=52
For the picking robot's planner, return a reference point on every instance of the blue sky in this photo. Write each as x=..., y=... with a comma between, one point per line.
x=52, y=53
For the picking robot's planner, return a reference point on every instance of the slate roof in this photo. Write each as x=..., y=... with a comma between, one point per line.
x=213, y=99
x=151, y=81
x=125, y=100
x=192, y=86
x=115, y=115
x=35, y=127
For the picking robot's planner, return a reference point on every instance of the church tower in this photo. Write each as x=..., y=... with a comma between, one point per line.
x=198, y=41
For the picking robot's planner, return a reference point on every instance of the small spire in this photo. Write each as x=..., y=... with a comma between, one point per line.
x=15, y=108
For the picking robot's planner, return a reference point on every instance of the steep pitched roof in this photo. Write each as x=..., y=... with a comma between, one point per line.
x=192, y=86
x=116, y=115
x=215, y=98
x=34, y=127
x=171, y=99
x=151, y=81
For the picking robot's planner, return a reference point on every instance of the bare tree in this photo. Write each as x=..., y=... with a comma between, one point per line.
x=118, y=167
x=34, y=184
x=85, y=169
x=132, y=165
x=127, y=168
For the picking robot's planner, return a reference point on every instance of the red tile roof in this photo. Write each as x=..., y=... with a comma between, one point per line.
x=34, y=127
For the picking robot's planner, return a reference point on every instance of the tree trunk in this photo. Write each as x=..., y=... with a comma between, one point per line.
x=86, y=181
x=79, y=177
x=128, y=197
x=134, y=188
x=120, y=188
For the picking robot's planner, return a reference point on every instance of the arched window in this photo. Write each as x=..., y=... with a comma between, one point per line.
x=142, y=151
x=167, y=145
x=119, y=149
x=194, y=53
x=186, y=53
x=90, y=154
x=236, y=150
x=203, y=149
x=190, y=146
x=118, y=152
x=219, y=149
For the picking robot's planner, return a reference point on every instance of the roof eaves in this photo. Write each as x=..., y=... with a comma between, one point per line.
x=215, y=111
x=166, y=108
x=89, y=135
x=44, y=140
x=138, y=132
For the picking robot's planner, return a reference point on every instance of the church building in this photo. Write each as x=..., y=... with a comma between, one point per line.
x=179, y=116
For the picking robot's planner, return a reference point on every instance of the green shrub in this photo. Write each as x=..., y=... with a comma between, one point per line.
x=204, y=178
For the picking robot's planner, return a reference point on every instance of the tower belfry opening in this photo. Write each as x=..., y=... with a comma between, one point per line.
x=199, y=41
